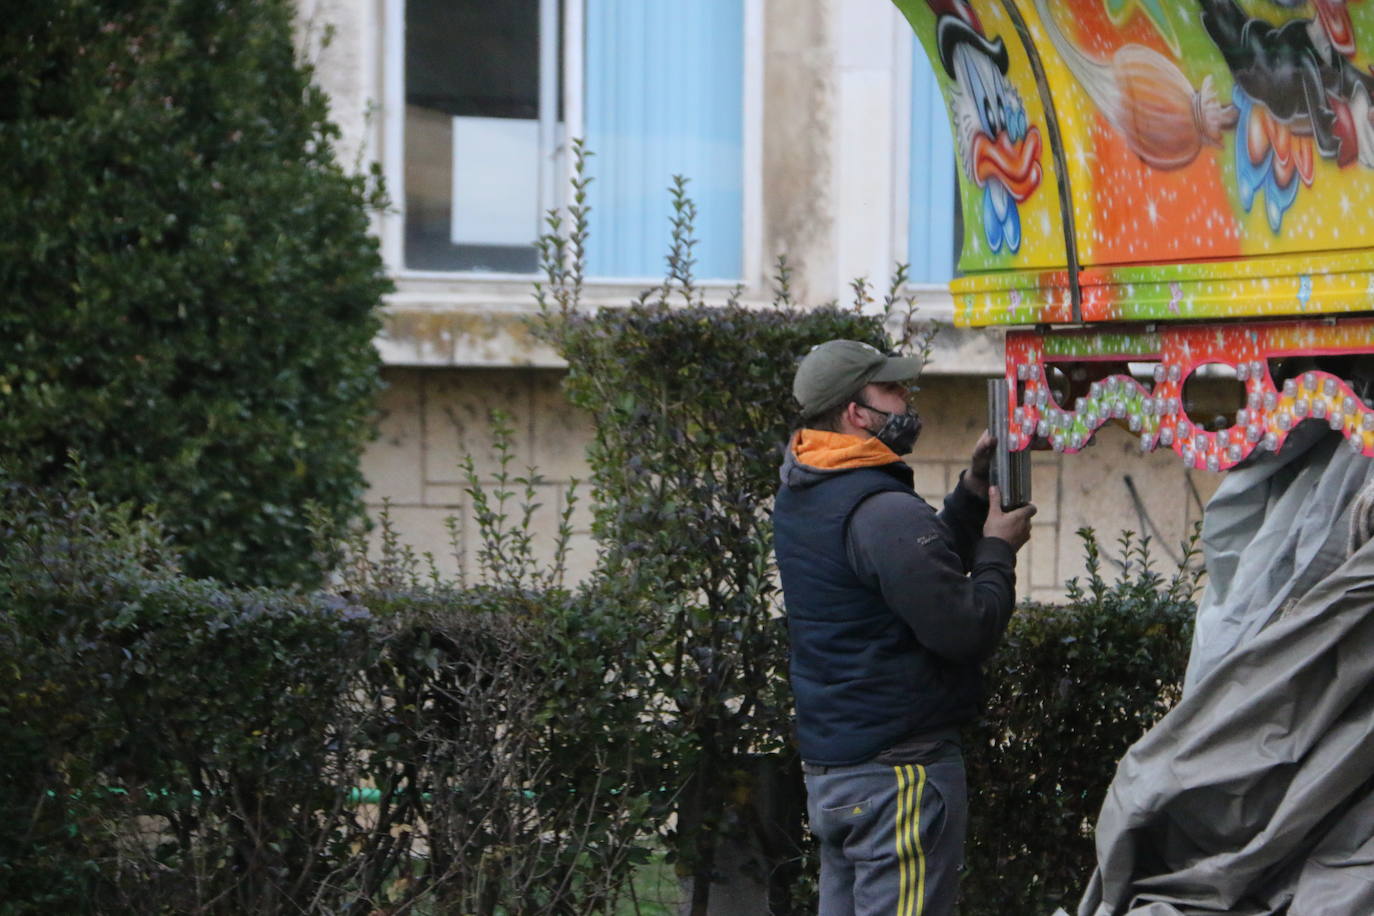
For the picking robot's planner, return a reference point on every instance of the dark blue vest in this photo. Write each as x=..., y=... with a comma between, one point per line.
x=860, y=680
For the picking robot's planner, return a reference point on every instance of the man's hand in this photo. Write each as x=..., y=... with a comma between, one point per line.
x=980, y=465
x=1012, y=527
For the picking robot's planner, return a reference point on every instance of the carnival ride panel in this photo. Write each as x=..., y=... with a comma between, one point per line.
x=1158, y=159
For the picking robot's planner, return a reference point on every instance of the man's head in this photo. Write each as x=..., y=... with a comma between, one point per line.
x=850, y=387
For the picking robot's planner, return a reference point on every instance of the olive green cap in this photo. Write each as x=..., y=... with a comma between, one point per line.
x=836, y=370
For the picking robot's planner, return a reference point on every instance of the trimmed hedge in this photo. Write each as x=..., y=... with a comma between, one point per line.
x=171, y=745
x=690, y=419
x=164, y=739
x=190, y=286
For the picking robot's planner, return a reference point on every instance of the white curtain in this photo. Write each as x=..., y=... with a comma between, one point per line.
x=664, y=89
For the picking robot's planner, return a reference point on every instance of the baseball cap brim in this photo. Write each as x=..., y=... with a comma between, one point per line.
x=898, y=369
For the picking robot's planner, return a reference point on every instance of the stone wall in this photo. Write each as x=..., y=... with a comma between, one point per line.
x=431, y=418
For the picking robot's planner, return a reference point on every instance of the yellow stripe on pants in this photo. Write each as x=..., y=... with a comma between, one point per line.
x=908, y=840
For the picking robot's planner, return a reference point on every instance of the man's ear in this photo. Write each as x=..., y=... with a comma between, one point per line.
x=854, y=416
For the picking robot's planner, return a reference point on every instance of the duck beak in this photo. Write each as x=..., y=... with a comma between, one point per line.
x=1016, y=166
x=1335, y=19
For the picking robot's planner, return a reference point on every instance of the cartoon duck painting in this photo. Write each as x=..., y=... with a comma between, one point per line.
x=1296, y=89
x=999, y=149
x=1297, y=96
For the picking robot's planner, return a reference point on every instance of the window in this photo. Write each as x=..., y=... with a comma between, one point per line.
x=491, y=95
x=935, y=232
x=665, y=96
x=482, y=129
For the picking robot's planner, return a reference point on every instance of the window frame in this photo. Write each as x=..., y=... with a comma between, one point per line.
x=392, y=225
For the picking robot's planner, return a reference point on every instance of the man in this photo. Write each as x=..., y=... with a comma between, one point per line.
x=890, y=609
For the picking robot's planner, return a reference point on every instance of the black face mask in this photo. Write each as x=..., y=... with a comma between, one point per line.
x=901, y=430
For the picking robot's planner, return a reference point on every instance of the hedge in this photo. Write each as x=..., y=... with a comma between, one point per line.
x=190, y=287
x=172, y=745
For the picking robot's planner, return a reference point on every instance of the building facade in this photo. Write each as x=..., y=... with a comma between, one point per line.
x=809, y=128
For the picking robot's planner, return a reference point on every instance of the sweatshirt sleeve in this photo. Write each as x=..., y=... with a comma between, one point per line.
x=964, y=514
x=899, y=547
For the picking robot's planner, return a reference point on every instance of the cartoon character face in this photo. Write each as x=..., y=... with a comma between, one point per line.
x=1001, y=151
x=998, y=106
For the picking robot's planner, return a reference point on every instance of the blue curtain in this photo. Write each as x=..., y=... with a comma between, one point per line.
x=664, y=96
x=931, y=243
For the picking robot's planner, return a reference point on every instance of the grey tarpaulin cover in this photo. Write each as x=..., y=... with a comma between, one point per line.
x=1254, y=795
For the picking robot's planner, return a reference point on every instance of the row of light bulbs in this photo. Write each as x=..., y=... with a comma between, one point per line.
x=1264, y=422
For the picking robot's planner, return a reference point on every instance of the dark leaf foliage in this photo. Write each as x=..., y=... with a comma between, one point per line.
x=172, y=745
x=1072, y=687
x=190, y=286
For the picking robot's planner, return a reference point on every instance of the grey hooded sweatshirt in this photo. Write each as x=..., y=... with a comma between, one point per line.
x=953, y=587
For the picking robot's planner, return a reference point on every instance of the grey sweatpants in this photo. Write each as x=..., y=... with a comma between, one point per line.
x=891, y=836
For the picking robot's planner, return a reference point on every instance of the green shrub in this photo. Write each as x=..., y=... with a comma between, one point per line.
x=1071, y=688
x=518, y=744
x=189, y=282
x=164, y=742
x=692, y=406
x=173, y=745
